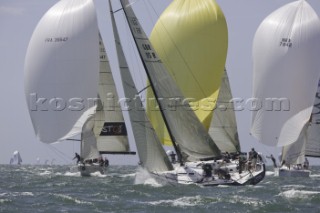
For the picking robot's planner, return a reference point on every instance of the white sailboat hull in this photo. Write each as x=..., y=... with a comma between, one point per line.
x=285, y=172
x=87, y=169
x=222, y=174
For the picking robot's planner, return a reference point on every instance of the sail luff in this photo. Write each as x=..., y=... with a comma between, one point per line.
x=151, y=153
x=187, y=131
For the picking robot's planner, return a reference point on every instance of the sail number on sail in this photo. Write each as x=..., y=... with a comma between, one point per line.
x=113, y=128
x=57, y=39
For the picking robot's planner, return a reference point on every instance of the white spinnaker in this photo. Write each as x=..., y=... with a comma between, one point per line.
x=187, y=131
x=110, y=128
x=285, y=67
x=151, y=153
x=313, y=132
x=62, y=68
x=223, y=128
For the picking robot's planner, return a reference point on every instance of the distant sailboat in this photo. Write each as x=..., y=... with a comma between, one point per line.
x=16, y=158
x=285, y=80
x=64, y=88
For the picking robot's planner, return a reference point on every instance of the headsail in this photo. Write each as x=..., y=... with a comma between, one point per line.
x=191, y=38
x=286, y=73
x=223, y=129
x=89, y=148
x=151, y=154
x=185, y=129
x=61, y=68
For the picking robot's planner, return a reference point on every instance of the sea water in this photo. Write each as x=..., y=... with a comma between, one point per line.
x=30, y=188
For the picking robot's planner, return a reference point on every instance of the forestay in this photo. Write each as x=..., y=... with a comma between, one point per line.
x=62, y=68
x=285, y=73
x=186, y=130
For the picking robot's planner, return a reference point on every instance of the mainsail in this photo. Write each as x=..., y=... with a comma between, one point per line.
x=185, y=129
x=151, y=153
x=223, y=128
x=191, y=38
x=62, y=69
x=286, y=73
x=109, y=128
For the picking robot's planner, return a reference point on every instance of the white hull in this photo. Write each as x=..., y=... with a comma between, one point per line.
x=87, y=169
x=222, y=174
x=285, y=172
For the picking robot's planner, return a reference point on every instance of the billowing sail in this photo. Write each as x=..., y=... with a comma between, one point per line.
x=62, y=69
x=313, y=132
x=223, y=129
x=295, y=152
x=185, y=128
x=109, y=127
x=89, y=148
x=191, y=38
x=151, y=154
x=285, y=73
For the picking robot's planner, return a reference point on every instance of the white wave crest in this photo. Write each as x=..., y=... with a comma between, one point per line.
x=269, y=173
x=45, y=173
x=302, y=194
x=67, y=197
x=97, y=174
x=72, y=174
x=180, y=202
x=144, y=177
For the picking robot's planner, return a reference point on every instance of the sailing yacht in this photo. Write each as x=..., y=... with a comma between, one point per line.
x=16, y=158
x=286, y=73
x=68, y=85
x=199, y=158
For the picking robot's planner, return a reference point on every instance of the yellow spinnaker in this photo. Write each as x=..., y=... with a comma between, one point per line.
x=191, y=38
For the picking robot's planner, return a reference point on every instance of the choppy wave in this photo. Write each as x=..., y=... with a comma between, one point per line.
x=180, y=202
x=131, y=189
x=72, y=199
x=302, y=194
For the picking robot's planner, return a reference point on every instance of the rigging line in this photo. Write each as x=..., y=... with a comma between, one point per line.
x=180, y=54
x=59, y=153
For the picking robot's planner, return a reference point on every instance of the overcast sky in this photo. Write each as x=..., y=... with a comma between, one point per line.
x=18, y=18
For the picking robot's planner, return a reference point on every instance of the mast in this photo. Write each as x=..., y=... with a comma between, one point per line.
x=176, y=147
